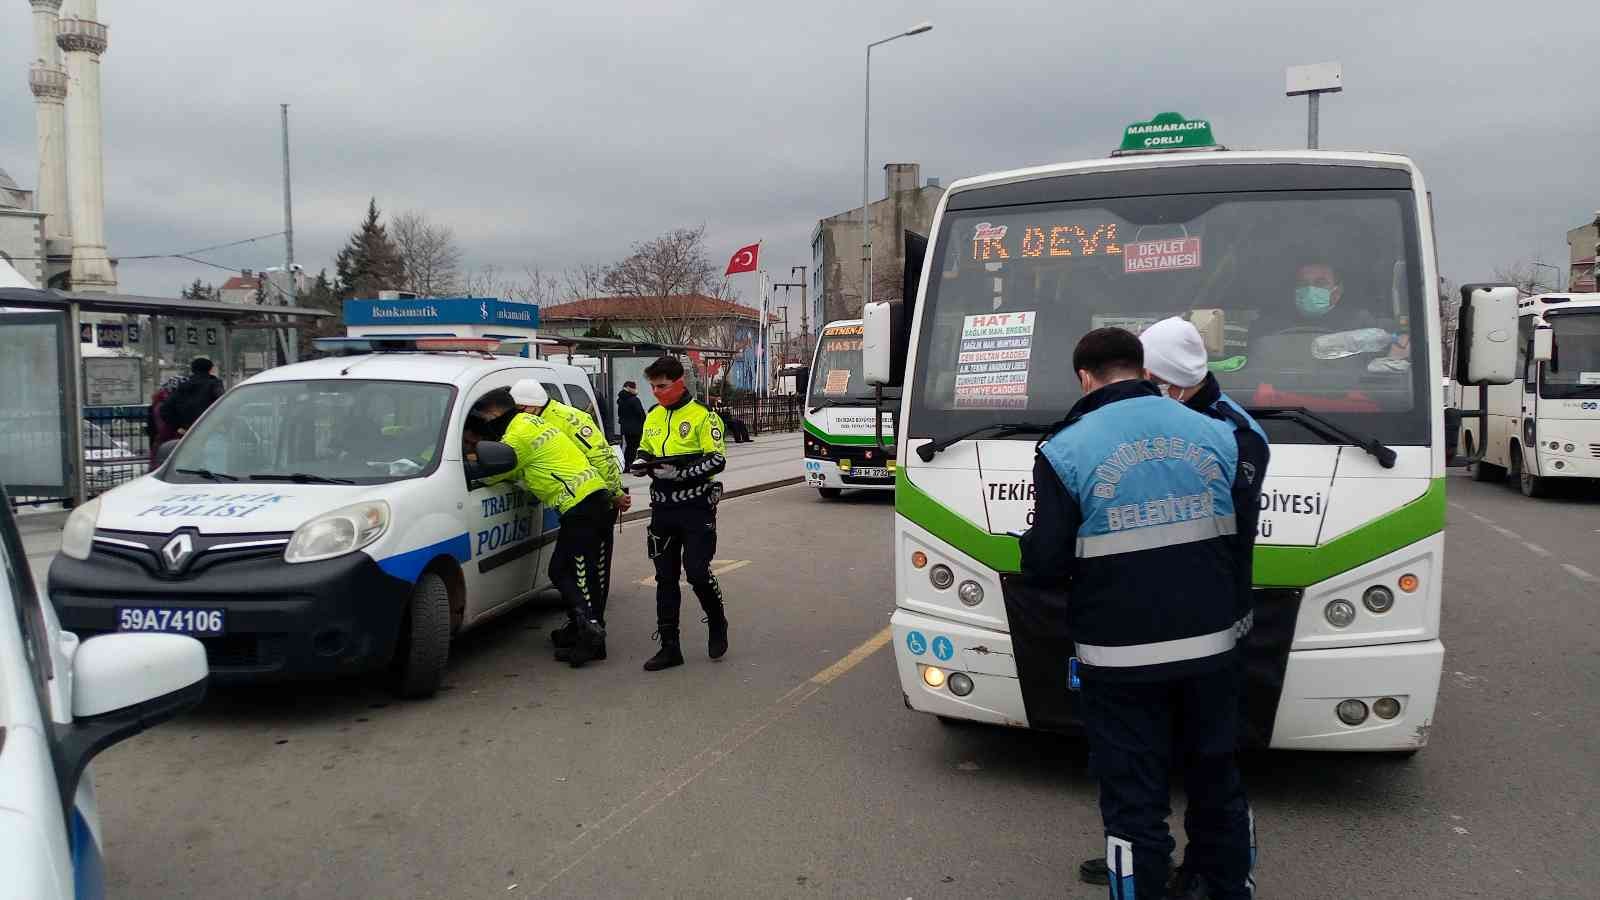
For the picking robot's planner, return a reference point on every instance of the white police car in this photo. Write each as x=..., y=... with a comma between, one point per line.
x=62, y=702
x=322, y=518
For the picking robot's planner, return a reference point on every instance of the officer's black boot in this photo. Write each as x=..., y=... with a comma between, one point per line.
x=717, y=628
x=589, y=643
x=562, y=637
x=670, y=653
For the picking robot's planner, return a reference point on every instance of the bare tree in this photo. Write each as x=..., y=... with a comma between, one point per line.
x=428, y=254
x=1523, y=274
x=584, y=281
x=534, y=285
x=664, y=274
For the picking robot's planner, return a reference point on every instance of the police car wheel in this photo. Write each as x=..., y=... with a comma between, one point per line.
x=830, y=493
x=424, y=640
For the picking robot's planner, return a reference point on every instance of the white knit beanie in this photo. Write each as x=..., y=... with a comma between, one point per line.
x=1174, y=352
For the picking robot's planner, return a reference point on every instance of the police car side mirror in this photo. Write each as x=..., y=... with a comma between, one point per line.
x=164, y=451
x=494, y=458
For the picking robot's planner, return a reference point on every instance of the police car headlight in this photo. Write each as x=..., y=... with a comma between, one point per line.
x=77, y=536
x=339, y=532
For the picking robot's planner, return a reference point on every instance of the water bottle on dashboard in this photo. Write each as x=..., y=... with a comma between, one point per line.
x=1349, y=343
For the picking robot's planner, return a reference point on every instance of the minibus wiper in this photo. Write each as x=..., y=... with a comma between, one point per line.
x=999, y=429
x=207, y=474
x=299, y=478
x=1328, y=430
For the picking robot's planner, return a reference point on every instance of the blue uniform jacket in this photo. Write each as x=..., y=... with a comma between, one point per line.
x=1135, y=524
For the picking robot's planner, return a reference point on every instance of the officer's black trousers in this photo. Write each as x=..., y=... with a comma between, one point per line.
x=1138, y=733
x=683, y=540
x=579, y=565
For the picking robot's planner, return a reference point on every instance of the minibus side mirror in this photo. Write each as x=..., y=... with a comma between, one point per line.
x=1487, y=343
x=165, y=450
x=494, y=458
x=880, y=324
x=1544, y=343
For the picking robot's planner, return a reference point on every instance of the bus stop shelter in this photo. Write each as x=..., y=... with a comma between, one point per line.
x=74, y=426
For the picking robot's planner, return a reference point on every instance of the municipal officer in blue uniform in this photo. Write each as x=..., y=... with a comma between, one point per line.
x=1134, y=527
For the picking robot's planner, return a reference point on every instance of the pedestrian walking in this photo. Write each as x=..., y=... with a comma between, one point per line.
x=682, y=450
x=157, y=428
x=555, y=471
x=630, y=419
x=1134, y=518
x=193, y=397
x=580, y=428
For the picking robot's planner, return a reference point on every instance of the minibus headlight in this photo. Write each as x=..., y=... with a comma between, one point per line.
x=1378, y=598
x=339, y=532
x=77, y=536
x=1339, y=613
x=941, y=577
x=970, y=592
x=933, y=676
x=1351, y=712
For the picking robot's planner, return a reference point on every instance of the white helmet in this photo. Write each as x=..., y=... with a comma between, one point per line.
x=528, y=392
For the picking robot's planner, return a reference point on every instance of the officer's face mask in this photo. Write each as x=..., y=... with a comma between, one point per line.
x=669, y=393
x=1313, y=300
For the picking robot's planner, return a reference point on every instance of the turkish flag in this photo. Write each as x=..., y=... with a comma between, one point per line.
x=744, y=260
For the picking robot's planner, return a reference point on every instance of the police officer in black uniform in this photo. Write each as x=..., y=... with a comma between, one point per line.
x=1134, y=534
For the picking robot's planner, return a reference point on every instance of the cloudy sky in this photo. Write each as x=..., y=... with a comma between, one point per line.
x=554, y=134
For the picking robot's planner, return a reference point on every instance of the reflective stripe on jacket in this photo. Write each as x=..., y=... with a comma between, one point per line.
x=549, y=464
x=687, y=429
x=580, y=427
x=1152, y=586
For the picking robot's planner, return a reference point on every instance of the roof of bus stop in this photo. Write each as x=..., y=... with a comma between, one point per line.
x=175, y=307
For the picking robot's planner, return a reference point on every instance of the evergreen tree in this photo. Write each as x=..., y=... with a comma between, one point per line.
x=321, y=294
x=369, y=262
x=198, y=291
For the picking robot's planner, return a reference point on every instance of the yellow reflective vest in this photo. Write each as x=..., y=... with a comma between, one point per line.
x=549, y=464
x=580, y=427
x=689, y=429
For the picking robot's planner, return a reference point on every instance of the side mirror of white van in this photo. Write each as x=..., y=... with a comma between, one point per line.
x=494, y=458
x=121, y=685
x=1544, y=343
x=1487, y=345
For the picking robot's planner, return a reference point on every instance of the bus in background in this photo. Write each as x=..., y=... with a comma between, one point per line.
x=841, y=444
x=1313, y=279
x=1545, y=425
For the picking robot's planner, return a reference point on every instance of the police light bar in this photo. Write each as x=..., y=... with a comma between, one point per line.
x=398, y=344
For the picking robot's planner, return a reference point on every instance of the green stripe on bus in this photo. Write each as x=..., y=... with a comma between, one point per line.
x=851, y=440
x=1302, y=566
x=1274, y=566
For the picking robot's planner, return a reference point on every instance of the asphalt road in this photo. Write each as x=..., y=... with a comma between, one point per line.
x=790, y=768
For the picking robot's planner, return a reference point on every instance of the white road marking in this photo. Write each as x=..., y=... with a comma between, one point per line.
x=1506, y=533
x=1580, y=574
x=1537, y=549
x=602, y=832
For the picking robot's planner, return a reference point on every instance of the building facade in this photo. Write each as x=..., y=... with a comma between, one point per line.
x=694, y=319
x=22, y=232
x=1581, y=249
x=907, y=205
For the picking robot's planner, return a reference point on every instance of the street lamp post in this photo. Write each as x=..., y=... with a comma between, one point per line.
x=866, y=155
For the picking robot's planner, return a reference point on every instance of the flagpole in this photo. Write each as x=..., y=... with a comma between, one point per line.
x=761, y=354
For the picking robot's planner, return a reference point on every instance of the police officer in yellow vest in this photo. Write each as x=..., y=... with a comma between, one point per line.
x=555, y=471
x=580, y=428
x=682, y=450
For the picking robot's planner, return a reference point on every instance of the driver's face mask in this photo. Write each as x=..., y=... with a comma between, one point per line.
x=1313, y=300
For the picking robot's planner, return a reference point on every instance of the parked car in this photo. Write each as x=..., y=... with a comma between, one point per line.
x=61, y=702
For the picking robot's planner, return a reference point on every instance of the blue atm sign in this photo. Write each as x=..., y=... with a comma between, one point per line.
x=442, y=311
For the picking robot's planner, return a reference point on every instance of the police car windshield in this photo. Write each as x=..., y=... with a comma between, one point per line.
x=836, y=377
x=354, y=431
x=1306, y=299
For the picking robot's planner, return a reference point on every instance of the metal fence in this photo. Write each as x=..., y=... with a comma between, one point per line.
x=116, y=448
x=762, y=415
